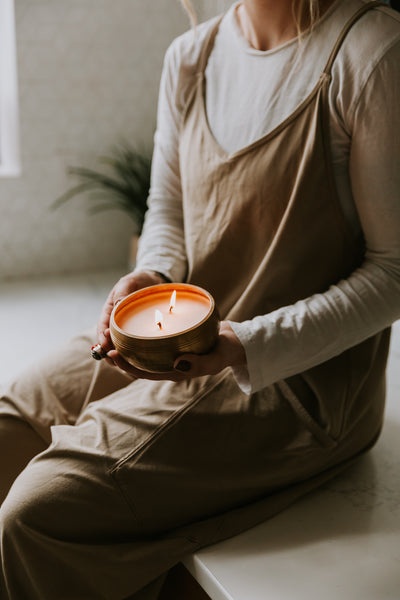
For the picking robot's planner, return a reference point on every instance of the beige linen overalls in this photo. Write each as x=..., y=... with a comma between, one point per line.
x=150, y=471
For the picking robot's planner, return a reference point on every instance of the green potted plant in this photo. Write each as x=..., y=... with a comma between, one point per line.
x=123, y=184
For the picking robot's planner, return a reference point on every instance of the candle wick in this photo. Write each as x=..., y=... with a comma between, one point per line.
x=170, y=308
x=159, y=319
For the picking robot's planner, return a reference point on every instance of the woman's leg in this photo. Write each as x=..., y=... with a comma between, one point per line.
x=68, y=532
x=66, y=525
x=18, y=444
x=145, y=476
x=53, y=392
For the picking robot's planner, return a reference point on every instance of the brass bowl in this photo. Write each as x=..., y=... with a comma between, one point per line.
x=157, y=354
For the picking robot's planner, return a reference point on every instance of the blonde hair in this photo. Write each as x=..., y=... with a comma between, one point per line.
x=187, y=5
x=305, y=13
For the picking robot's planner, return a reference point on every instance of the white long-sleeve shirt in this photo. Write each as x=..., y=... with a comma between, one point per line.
x=248, y=93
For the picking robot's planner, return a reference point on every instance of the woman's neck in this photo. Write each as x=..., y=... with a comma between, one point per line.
x=266, y=24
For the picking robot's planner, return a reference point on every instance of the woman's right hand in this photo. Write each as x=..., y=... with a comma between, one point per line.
x=126, y=285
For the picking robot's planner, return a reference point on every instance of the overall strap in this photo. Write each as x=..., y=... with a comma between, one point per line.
x=346, y=29
x=208, y=46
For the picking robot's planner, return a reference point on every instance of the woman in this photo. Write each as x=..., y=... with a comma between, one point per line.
x=275, y=186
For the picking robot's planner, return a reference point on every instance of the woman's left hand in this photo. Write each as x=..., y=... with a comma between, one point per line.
x=228, y=352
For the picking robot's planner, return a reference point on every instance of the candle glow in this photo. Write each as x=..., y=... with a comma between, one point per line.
x=172, y=301
x=147, y=317
x=159, y=319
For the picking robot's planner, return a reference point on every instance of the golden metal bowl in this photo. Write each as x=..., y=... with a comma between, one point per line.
x=158, y=354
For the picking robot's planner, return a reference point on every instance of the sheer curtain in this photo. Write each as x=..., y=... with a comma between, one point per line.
x=9, y=139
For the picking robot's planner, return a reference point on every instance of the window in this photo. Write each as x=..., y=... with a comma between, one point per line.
x=9, y=138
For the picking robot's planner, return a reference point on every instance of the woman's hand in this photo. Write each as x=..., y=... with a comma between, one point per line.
x=126, y=285
x=228, y=352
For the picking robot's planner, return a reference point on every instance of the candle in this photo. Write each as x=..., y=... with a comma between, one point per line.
x=153, y=316
x=153, y=326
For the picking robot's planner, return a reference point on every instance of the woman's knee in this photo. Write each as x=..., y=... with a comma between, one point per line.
x=66, y=495
x=25, y=504
x=19, y=443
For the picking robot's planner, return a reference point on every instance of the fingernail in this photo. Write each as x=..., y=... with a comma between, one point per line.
x=183, y=365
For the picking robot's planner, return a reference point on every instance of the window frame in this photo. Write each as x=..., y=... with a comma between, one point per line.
x=10, y=165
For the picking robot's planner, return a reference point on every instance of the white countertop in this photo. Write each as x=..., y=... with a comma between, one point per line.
x=340, y=542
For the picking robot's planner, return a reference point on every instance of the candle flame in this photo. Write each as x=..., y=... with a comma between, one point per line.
x=159, y=319
x=172, y=301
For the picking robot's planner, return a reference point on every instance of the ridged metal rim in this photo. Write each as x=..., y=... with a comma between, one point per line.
x=157, y=354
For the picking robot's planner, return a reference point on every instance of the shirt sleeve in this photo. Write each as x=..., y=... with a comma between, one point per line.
x=295, y=338
x=161, y=245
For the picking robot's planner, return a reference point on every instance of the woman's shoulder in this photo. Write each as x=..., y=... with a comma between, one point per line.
x=365, y=39
x=185, y=49
x=370, y=48
x=182, y=59
x=373, y=34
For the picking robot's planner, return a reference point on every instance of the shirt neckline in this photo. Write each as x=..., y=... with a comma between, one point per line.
x=246, y=46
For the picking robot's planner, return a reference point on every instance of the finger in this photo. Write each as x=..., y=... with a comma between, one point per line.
x=109, y=361
x=108, y=343
x=121, y=363
x=118, y=300
x=183, y=364
x=197, y=365
x=104, y=322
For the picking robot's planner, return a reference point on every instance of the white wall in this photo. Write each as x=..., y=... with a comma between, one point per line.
x=210, y=8
x=9, y=137
x=88, y=76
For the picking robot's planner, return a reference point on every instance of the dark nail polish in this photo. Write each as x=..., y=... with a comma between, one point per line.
x=183, y=365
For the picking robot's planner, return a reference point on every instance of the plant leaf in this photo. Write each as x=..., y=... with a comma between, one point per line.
x=125, y=187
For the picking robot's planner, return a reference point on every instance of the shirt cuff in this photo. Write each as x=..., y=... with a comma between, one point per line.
x=247, y=376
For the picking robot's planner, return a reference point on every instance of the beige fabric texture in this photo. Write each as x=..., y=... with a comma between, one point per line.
x=248, y=94
x=138, y=474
